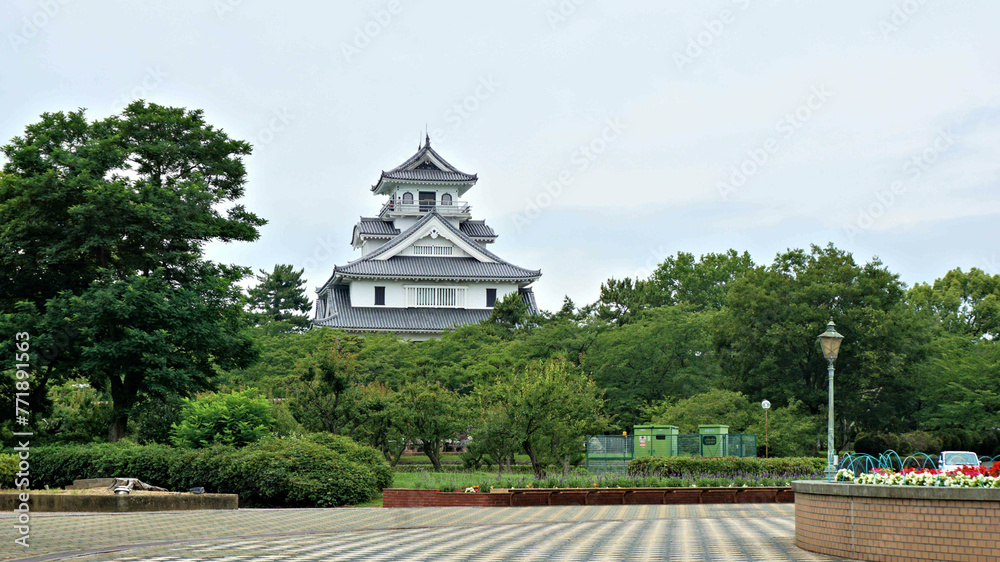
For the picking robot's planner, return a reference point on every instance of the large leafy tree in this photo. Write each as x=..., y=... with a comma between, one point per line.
x=697, y=283
x=664, y=352
x=280, y=296
x=102, y=230
x=960, y=380
x=550, y=406
x=431, y=414
x=766, y=338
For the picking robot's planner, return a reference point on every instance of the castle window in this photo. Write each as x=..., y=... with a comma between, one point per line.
x=491, y=297
x=379, y=296
x=446, y=199
x=407, y=198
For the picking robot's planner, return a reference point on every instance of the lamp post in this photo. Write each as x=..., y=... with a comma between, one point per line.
x=767, y=406
x=830, y=342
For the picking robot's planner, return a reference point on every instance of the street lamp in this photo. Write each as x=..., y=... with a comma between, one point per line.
x=766, y=404
x=830, y=342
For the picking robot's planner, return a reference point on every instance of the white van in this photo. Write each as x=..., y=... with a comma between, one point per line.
x=954, y=460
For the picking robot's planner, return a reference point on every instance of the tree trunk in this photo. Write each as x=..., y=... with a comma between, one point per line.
x=432, y=452
x=119, y=423
x=536, y=466
x=123, y=394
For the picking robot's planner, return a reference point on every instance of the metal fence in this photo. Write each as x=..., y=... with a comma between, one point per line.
x=613, y=452
x=608, y=452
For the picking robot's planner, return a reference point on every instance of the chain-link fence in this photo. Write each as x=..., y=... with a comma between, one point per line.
x=608, y=452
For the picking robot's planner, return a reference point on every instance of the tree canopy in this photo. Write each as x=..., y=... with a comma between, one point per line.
x=103, y=228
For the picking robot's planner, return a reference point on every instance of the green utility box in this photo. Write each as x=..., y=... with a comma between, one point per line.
x=713, y=440
x=654, y=440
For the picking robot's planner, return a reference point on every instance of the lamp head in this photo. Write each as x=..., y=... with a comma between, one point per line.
x=830, y=341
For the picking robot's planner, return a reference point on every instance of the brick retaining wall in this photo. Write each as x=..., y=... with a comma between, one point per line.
x=412, y=497
x=889, y=523
x=406, y=497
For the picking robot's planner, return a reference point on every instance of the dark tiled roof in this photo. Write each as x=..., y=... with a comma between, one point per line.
x=401, y=172
x=477, y=229
x=428, y=175
x=343, y=315
x=376, y=226
x=420, y=267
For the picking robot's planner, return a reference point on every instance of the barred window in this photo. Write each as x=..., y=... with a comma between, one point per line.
x=447, y=297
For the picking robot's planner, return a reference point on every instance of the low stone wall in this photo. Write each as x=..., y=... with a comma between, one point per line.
x=51, y=503
x=872, y=522
x=404, y=497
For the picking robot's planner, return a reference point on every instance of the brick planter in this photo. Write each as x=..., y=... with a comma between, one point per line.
x=873, y=522
x=412, y=497
x=404, y=497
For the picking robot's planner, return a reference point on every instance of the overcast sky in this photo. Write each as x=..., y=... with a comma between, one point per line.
x=607, y=135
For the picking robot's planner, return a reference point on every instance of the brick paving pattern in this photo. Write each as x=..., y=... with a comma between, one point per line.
x=759, y=532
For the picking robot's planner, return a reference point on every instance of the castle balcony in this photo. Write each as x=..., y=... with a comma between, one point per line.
x=446, y=208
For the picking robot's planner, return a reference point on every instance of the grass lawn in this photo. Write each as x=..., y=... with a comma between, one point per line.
x=450, y=457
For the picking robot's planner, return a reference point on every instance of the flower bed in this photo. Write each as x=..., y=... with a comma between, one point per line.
x=964, y=477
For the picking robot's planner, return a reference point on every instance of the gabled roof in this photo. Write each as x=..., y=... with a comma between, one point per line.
x=426, y=166
x=377, y=263
x=434, y=320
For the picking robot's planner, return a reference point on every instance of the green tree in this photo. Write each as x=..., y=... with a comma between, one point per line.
x=964, y=303
x=115, y=213
x=716, y=406
x=106, y=221
x=280, y=297
x=960, y=385
x=766, y=338
x=236, y=418
x=699, y=284
x=509, y=313
x=431, y=414
x=325, y=399
x=663, y=352
x=551, y=406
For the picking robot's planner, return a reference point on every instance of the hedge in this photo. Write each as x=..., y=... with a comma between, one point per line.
x=725, y=466
x=310, y=471
x=8, y=468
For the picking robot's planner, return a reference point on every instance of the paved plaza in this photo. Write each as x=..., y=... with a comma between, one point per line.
x=761, y=532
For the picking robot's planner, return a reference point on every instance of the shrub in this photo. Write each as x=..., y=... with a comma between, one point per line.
x=237, y=418
x=8, y=468
x=730, y=467
x=310, y=471
x=152, y=420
